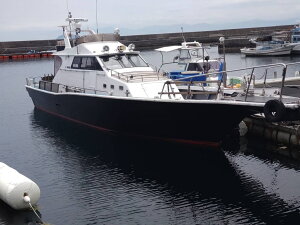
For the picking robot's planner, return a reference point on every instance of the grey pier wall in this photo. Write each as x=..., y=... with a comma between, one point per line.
x=235, y=39
x=12, y=47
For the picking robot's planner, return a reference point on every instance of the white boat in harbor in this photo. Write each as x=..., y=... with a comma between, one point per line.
x=271, y=48
x=108, y=86
x=295, y=39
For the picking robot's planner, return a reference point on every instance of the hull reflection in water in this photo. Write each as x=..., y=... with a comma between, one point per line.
x=13, y=217
x=117, y=180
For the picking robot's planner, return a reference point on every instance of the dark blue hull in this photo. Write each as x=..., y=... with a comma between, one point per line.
x=171, y=120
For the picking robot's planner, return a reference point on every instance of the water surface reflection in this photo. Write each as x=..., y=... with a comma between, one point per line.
x=92, y=177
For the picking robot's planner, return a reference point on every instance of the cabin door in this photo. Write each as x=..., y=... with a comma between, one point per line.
x=89, y=80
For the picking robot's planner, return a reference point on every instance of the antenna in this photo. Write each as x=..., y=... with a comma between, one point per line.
x=68, y=6
x=97, y=15
x=182, y=34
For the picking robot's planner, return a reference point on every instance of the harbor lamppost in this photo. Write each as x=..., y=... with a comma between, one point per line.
x=224, y=76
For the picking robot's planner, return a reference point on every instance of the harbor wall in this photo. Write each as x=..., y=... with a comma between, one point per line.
x=12, y=47
x=235, y=39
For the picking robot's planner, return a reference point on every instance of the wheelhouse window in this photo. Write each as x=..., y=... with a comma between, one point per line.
x=184, y=54
x=57, y=64
x=76, y=63
x=85, y=63
x=136, y=61
x=194, y=67
x=120, y=61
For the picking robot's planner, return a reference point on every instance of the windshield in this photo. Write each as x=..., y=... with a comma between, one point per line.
x=120, y=61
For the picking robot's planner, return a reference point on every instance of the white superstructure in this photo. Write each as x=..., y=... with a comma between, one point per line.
x=105, y=66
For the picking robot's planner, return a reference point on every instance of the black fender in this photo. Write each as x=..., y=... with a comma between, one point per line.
x=274, y=110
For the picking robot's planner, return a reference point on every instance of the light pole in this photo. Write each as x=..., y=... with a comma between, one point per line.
x=224, y=76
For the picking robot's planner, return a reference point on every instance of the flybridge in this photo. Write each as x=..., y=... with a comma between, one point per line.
x=72, y=33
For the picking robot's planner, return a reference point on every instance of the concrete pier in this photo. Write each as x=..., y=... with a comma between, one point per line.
x=235, y=39
x=12, y=47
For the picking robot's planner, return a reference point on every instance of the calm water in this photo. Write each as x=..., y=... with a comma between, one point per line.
x=87, y=177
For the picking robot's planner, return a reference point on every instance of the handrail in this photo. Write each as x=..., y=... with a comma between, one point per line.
x=268, y=66
x=66, y=87
x=136, y=75
x=249, y=83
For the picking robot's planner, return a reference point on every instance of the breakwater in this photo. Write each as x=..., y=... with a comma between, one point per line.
x=234, y=40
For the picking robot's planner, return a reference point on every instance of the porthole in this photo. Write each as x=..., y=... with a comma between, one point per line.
x=112, y=86
x=104, y=85
x=121, y=88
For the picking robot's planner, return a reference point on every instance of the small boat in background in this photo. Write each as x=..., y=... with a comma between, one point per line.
x=295, y=39
x=193, y=60
x=270, y=48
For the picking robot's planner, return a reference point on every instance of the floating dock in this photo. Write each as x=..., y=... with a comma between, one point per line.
x=286, y=135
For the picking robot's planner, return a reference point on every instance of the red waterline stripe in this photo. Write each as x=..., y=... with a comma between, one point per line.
x=182, y=141
x=76, y=121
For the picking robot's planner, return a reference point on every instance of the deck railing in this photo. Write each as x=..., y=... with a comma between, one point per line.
x=250, y=80
x=139, y=76
x=38, y=82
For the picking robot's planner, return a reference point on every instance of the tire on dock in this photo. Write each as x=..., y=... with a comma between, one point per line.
x=274, y=110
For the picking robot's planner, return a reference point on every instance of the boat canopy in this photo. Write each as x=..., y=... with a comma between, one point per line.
x=169, y=48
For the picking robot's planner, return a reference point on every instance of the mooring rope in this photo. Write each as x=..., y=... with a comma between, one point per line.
x=27, y=200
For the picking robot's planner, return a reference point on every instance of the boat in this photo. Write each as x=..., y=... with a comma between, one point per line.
x=192, y=60
x=270, y=48
x=194, y=64
x=100, y=83
x=295, y=39
x=193, y=57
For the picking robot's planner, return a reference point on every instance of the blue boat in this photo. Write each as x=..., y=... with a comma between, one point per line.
x=195, y=61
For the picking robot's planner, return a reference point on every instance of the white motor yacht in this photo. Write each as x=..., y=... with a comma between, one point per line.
x=101, y=83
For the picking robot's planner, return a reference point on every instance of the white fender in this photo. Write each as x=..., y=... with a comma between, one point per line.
x=15, y=186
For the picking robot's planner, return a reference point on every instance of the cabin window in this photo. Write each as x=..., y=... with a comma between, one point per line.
x=85, y=63
x=112, y=86
x=76, y=62
x=104, y=85
x=137, y=61
x=184, y=54
x=120, y=61
x=57, y=64
x=126, y=63
x=121, y=88
x=194, y=67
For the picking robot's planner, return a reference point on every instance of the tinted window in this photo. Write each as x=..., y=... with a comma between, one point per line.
x=85, y=63
x=120, y=61
x=76, y=63
x=136, y=61
x=194, y=67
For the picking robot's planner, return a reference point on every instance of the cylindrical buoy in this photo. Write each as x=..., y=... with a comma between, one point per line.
x=15, y=186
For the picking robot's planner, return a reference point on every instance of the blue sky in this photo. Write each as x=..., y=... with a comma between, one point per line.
x=38, y=19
